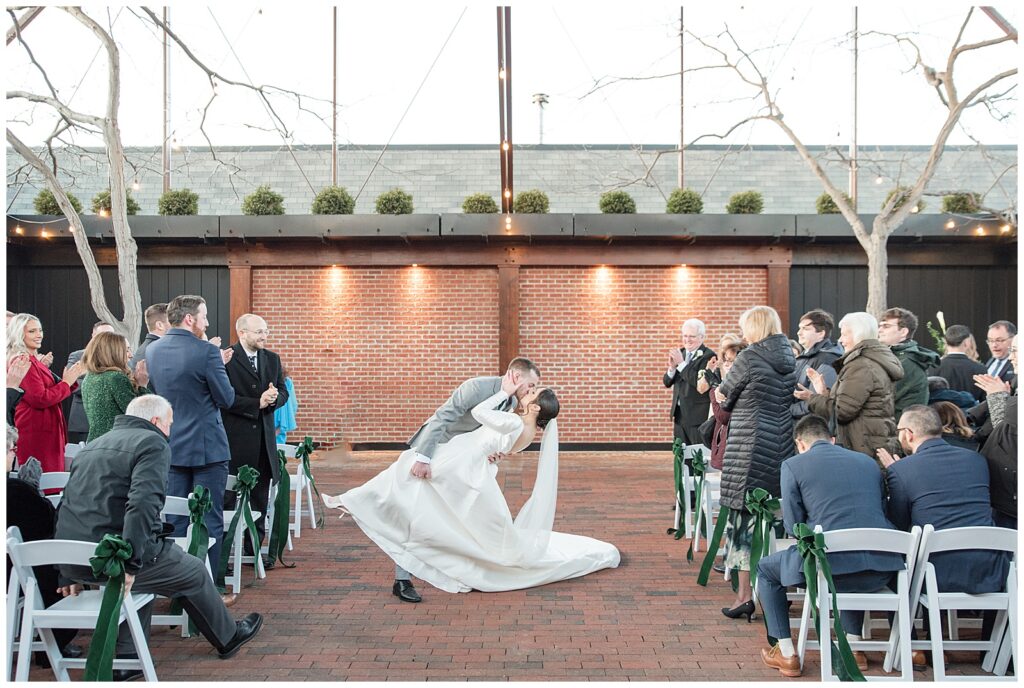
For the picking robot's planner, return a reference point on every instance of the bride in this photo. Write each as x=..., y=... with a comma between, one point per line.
x=455, y=530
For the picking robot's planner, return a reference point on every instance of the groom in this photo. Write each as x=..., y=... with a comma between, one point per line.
x=455, y=417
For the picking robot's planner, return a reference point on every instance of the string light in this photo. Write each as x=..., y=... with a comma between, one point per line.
x=135, y=185
x=915, y=209
x=19, y=230
x=501, y=73
x=103, y=212
x=951, y=224
x=504, y=145
x=980, y=231
x=43, y=233
x=878, y=179
x=508, y=194
x=1004, y=229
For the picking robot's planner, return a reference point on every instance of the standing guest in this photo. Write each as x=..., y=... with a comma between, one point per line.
x=971, y=349
x=860, y=405
x=758, y=391
x=938, y=390
x=1000, y=334
x=820, y=352
x=284, y=416
x=956, y=366
x=727, y=356
x=955, y=429
x=689, y=406
x=256, y=376
x=834, y=488
x=17, y=368
x=78, y=423
x=108, y=386
x=38, y=416
x=896, y=330
x=189, y=373
x=1001, y=446
x=117, y=486
x=156, y=326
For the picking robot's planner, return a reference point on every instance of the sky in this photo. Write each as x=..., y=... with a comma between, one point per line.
x=448, y=51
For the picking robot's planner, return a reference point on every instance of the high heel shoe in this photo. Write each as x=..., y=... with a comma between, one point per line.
x=746, y=609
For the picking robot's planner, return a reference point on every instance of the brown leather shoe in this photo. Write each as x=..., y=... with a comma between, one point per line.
x=787, y=666
x=862, y=660
x=229, y=599
x=918, y=660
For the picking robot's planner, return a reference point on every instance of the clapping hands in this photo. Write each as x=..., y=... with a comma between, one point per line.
x=675, y=357
x=991, y=384
x=886, y=458
x=226, y=354
x=46, y=360
x=817, y=381
x=17, y=368
x=141, y=374
x=268, y=397
x=72, y=373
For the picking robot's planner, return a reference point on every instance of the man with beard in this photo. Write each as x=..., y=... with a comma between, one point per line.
x=189, y=373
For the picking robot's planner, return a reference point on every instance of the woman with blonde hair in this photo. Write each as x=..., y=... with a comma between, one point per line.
x=38, y=417
x=109, y=386
x=758, y=391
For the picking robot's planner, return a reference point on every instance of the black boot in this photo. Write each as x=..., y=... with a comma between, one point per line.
x=404, y=590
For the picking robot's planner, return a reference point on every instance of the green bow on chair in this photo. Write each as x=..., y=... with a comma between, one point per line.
x=677, y=475
x=107, y=562
x=811, y=547
x=764, y=508
x=282, y=510
x=699, y=468
x=302, y=452
x=199, y=503
x=245, y=482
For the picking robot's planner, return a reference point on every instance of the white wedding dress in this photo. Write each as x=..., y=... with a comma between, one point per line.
x=455, y=530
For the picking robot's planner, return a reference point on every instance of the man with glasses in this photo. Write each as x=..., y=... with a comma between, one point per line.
x=256, y=376
x=1000, y=334
x=896, y=330
x=689, y=406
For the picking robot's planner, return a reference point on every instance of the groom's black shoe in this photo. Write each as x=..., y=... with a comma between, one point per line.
x=403, y=590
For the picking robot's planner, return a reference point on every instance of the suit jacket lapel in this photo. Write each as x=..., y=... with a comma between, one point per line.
x=243, y=360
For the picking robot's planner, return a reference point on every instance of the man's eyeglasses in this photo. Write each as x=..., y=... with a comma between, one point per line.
x=1001, y=340
x=263, y=332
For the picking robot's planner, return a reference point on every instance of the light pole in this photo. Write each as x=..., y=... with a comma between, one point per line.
x=540, y=100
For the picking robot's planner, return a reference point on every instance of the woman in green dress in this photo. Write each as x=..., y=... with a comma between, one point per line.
x=109, y=385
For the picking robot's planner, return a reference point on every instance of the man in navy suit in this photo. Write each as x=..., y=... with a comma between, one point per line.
x=948, y=487
x=834, y=488
x=189, y=373
x=1000, y=334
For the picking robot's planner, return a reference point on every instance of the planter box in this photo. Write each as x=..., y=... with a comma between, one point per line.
x=328, y=226
x=525, y=224
x=671, y=225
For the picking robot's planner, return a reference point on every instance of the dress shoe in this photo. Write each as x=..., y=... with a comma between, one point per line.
x=920, y=660
x=268, y=563
x=127, y=675
x=72, y=651
x=746, y=609
x=229, y=599
x=862, y=660
x=787, y=666
x=403, y=590
x=245, y=630
x=720, y=568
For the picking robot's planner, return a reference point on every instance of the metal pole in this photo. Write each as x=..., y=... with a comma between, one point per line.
x=501, y=112
x=23, y=21
x=681, y=179
x=853, y=139
x=166, y=155
x=508, y=103
x=334, y=103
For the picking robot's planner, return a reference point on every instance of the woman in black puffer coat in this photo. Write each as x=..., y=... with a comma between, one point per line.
x=759, y=392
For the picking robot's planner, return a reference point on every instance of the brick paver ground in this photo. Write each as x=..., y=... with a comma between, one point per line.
x=333, y=617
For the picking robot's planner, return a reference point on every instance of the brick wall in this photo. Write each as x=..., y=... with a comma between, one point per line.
x=373, y=351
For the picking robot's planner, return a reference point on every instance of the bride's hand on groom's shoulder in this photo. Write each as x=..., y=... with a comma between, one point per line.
x=496, y=457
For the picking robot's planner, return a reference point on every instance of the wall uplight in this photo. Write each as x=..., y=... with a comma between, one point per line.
x=19, y=230
x=1004, y=229
x=44, y=234
x=979, y=230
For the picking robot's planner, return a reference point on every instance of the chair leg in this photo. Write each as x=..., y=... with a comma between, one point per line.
x=935, y=619
x=25, y=643
x=698, y=521
x=996, y=640
x=825, y=637
x=805, y=627
x=139, y=638
x=905, y=623
x=53, y=654
x=13, y=606
x=297, y=523
x=312, y=507
x=953, y=622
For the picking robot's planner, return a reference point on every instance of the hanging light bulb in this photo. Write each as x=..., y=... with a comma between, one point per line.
x=44, y=234
x=979, y=230
x=135, y=185
x=501, y=73
x=19, y=230
x=103, y=212
x=878, y=179
x=1004, y=229
x=951, y=224
x=508, y=194
x=504, y=145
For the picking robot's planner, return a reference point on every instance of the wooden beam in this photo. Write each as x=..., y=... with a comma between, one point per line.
x=508, y=314
x=778, y=292
x=241, y=294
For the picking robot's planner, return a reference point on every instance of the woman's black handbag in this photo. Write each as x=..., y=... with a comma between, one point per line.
x=707, y=431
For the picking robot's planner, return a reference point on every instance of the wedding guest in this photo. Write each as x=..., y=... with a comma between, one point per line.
x=17, y=368
x=938, y=390
x=758, y=391
x=956, y=366
x=1000, y=333
x=1000, y=448
x=727, y=356
x=896, y=330
x=109, y=386
x=689, y=407
x=955, y=429
x=128, y=468
x=38, y=416
x=156, y=326
x=284, y=416
x=860, y=405
x=796, y=346
x=815, y=334
x=78, y=422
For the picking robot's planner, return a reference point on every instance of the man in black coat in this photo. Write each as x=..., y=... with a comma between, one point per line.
x=255, y=374
x=156, y=326
x=814, y=332
x=1000, y=334
x=956, y=366
x=689, y=407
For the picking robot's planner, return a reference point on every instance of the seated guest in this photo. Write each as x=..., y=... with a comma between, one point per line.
x=955, y=429
x=17, y=367
x=108, y=386
x=834, y=488
x=947, y=487
x=956, y=366
x=938, y=390
x=117, y=485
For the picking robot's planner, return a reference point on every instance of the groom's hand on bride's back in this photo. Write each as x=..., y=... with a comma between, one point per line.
x=420, y=470
x=496, y=457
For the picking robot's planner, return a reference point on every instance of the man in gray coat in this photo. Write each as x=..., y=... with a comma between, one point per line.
x=117, y=486
x=455, y=417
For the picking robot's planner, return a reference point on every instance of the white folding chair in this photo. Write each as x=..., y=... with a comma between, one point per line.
x=178, y=506
x=866, y=540
x=237, y=556
x=299, y=485
x=81, y=611
x=15, y=602
x=56, y=480
x=926, y=593
x=71, y=450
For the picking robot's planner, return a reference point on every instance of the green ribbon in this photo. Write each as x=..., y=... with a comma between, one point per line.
x=107, y=562
x=245, y=482
x=677, y=477
x=811, y=547
x=699, y=469
x=713, y=544
x=764, y=508
x=199, y=503
x=282, y=508
x=302, y=453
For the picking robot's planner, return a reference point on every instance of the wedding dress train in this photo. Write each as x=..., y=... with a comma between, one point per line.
x=455, y=531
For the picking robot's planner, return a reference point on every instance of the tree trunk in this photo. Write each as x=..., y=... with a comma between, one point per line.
x=878, y=272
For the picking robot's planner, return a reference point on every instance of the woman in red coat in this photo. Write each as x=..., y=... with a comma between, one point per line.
x=38, y=417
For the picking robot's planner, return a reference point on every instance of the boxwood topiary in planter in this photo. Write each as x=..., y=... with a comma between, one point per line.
x=964, y=203
x=533, y=201
x=903, y=192
x=685, y=202
x=333, y=200
x=394, y=202
x=745, y=203
x=178, y=202
x=101, y=201
x=263, y=201
x=479, y=203
x=617, y=203
x=826, y=206
x=46, y=204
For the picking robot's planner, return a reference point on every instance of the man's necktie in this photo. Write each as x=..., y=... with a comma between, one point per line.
x=252, y=362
